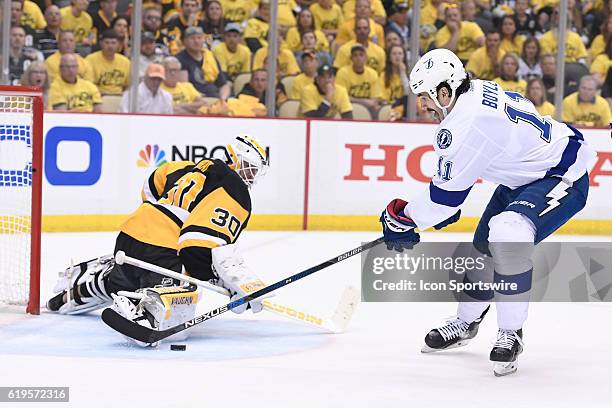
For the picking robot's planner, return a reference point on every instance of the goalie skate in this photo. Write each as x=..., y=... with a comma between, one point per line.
x=452, y=334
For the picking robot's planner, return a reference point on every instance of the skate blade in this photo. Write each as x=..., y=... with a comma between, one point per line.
x=503, y=369
x=426, y=349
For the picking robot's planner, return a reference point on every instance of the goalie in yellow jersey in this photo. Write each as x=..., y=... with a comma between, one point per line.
x=191, y=215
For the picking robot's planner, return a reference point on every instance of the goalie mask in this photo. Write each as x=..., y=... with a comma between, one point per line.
x=248, y=158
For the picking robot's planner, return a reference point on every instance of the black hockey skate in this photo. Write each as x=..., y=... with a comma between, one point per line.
x=505, y=352
x=454, y=333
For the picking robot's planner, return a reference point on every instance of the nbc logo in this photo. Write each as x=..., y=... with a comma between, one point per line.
x=151, y=156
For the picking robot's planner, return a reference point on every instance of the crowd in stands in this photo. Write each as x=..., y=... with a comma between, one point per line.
x=336, y=58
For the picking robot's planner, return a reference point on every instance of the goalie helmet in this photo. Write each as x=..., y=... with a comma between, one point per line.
x=432, y=69
x=248, y=158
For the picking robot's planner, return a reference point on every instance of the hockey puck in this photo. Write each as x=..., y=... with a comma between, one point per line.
x=178, y=347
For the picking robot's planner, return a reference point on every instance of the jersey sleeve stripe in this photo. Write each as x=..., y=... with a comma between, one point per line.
x=447, y=198
x=200, y=236
x=206, y=231
x=169, y=213
x=197, y=243
x=148, y=190
x=568, y=157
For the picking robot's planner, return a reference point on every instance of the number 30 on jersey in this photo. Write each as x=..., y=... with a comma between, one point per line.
x=225, y=219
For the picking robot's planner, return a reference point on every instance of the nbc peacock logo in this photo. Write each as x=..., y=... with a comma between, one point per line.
x=151, y=155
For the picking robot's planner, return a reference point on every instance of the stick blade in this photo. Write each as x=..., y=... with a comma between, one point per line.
x=128, y=328
x=346, y=308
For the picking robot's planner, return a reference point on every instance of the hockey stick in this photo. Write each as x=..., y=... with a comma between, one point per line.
x=147, y=335
x=336, y=324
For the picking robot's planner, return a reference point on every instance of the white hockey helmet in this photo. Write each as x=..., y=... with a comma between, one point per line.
x=432, y=69
x=248, y=158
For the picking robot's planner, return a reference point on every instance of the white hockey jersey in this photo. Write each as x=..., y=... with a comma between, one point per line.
x=500, y=137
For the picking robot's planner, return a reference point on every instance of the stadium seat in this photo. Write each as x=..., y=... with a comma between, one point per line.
x=289, y=109
x=240, y=81
x=111, y=103
x=360, y=112
x=288, y=83
x=384, y=113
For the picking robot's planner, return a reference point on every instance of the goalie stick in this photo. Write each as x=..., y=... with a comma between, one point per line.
x=336, y=324
x=147, y=335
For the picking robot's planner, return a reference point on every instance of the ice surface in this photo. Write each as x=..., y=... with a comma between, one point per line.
x=265, y=360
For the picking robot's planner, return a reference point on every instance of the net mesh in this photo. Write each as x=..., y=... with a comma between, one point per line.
x=16, y=121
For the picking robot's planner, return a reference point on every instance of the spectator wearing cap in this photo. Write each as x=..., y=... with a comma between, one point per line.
x=71, y=93
x=151, y=99
x=149, y=52
x=111, y=71
x=18, y=19
x=347, y=31
x=213, y=23
x=324, y=98
x=237, y=11
x=376, y=55
x=67, y=45
x=20, y=56
x=398, y=21
x=234, y=57
x=152, y=22
x=46, y=38
x=484, y=62
x=185, y=98
x=305, y=23
x=189, y=16
x=461, y=37
x=377, y=10
x=76, y=19
x=309, y=44
x=256, y=31
x=103, y=19
x=585, y=107
x=310, y=64
x=201, y=65
x=328, y=17
x=286, y=65
x=361, y=81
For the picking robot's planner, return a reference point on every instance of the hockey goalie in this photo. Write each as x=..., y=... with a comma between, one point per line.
x=191, y=216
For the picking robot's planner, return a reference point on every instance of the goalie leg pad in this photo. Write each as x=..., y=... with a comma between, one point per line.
x=170, y=306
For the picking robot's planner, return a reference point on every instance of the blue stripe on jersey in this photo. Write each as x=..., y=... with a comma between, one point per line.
x=447, y=198
x=569, y=155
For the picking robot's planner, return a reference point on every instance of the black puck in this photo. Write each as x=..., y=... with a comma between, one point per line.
x=178, y=347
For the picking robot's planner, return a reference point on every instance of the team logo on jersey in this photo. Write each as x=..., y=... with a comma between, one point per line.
x=444, y=138
x=429, y=63
x=151, y=156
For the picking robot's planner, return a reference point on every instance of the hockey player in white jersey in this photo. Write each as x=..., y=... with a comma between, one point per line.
x=541, y=168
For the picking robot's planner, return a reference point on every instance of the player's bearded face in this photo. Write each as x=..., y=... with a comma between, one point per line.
x=430, y=106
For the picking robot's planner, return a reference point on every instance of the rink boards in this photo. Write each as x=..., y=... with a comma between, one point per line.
x=324, y=174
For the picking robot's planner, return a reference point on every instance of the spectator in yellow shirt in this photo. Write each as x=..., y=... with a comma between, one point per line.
x=602, y=64
x=76, y=19
x=484, y=62
x=111, y=71
x=575, y=50
x=234, y=58
x=310, y=64
x=378, y=10
x=585, y=107
x=237, y=11
x=305, y=22
x=31, y=15
x=189, y=16
x=257, y=87
x=508, y=79
x=325, y=98
x=461, y=37
x=376, y=55
x=256, y=31
x=347, y=30
x=598, y=46
x=185, y=98
x=361, y=81
x=286, y=63
x=67, y=45
x=71, y=93
x=394, y=81
x=536, y=93
x=309, y=43
x=328, y=17
x=511, y=41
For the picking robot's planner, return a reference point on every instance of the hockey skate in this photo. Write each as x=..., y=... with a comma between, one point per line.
x=505, y=352
x=452, y=334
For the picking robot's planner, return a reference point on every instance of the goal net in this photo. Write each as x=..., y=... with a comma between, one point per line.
x=20, y=196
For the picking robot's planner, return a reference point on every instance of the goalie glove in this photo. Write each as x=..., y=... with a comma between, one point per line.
x=236, y=277
x=398, y=230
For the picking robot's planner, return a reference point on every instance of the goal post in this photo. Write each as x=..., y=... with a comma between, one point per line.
x=21, y=144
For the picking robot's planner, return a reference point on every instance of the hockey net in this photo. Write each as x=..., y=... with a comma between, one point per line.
x=21, y=111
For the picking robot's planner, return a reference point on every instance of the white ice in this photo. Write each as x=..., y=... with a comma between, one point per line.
x=264, y=360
